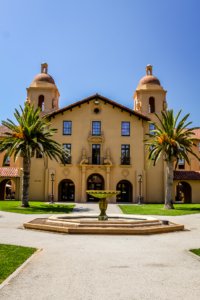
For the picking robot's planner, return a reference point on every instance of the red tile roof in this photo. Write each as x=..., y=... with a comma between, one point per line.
x=9, y=172
x=186, y=175
x=105, y=100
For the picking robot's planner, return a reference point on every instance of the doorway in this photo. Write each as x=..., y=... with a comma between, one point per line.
x=7, y=189
x=66, y=190
x=94, y=182
x=183, y=192
x=126, y=191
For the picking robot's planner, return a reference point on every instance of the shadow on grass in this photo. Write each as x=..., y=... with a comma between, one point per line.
x=52, y=208
x=188, y=209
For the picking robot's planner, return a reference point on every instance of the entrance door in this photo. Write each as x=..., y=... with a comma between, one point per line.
x=125, y=187
x=7, y=189
x=94, y=182
x=66, y=190
x=183, y=192
x=96, y=154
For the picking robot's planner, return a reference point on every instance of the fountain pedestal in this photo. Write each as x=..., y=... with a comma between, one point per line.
x=103, y=204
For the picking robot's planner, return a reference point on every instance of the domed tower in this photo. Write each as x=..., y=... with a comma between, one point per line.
x=150, y=97
x=43, y=91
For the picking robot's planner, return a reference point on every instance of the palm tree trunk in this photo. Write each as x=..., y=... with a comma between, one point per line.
x=26, y=180
x=169, y=185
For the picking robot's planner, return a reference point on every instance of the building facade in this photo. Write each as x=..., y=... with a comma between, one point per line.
x=106, y=144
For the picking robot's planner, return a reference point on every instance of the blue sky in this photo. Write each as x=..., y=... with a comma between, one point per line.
x=101, y=47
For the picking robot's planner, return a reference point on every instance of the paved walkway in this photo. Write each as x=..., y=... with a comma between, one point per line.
x=92, y=267
x=94, y=208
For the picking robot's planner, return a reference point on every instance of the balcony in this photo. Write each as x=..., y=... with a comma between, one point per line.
x=96, y=137
x=96, y=133
x=126, y=160
x=96, y=160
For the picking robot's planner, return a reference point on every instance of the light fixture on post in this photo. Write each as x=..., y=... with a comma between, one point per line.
x=140, y=189
x=52, y=182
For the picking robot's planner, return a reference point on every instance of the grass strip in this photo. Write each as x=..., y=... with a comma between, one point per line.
x=196, y=251
x=158, y=209
x=12, y=257
x=35, y=207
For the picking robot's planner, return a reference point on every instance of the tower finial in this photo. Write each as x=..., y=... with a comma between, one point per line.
x=149, y=70
x=27, y=102
x=44, y=68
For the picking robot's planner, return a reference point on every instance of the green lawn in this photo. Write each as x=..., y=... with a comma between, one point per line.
x=157, y=209
x=196, y=251
x=11, y=257
x=35, y=208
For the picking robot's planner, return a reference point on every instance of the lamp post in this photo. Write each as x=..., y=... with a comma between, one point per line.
x=52, y=181
x=140, y=189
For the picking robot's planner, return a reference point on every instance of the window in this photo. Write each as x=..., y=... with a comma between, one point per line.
x=96, y=127
x=125, y=128
x=38, y=154
x=41, y=102
x=198, y=146
x=181, y=164
x=151, y=127
x=151, y=105
x=67, y=127
x=7, y=162
x=125, y=155
x=68, y=147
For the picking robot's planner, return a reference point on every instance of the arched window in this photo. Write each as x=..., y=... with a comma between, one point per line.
x=151, y=105
x=6, y=163
x=41, y=102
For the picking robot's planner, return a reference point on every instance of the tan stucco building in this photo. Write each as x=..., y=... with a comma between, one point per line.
x=106, y=142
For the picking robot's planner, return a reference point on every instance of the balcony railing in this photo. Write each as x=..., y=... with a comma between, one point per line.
x=96, y=160
x=125, y=160
x=97, y=133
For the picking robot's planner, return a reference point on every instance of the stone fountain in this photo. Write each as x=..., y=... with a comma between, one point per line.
x=79, y=223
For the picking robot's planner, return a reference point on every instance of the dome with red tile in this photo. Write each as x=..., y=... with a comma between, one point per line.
x=149, y=78
x=44, y=76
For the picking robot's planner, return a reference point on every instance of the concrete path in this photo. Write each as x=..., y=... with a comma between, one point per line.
x=92, y=267
x=94, y=208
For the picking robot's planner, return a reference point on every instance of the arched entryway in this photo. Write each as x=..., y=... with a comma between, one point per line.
x=94, y=182
x=125, y=187
x=7, y=189
x=183, y=192
x=66, y=190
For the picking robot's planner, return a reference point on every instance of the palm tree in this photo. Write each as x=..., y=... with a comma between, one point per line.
x=30, y=135
x=172, y=140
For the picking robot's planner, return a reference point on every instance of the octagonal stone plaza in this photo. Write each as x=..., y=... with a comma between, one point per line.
x=89, y=224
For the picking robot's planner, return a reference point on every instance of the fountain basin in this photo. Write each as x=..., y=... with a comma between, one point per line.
x=89, y=224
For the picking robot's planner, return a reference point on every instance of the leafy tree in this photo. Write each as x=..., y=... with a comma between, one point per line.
x=173, y=140
x=30, y=135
